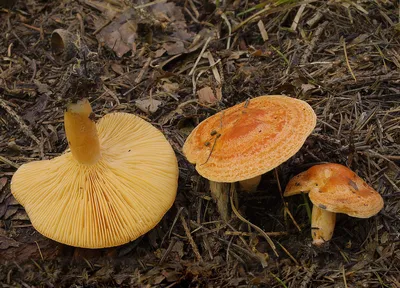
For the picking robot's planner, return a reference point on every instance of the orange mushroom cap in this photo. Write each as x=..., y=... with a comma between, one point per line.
x=335, y=188
x=249, y=139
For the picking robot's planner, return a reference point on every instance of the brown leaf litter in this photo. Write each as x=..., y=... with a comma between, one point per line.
x=118, y=26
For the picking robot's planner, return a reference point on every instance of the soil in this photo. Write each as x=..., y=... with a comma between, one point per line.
x=342, y=57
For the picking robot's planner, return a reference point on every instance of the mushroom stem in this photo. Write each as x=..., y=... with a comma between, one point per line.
x=322, y=225
x=81, y=132
x=250, y=185
x=220, y=194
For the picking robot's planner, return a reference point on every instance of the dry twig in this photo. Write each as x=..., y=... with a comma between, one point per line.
x=190, y=238
x=25, y=129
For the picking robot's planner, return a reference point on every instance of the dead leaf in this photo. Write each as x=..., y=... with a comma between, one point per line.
x=307, y=87
x=11, y=210
x=120, y=34
x=206, y=95
x=43, y=88
x=6, y=242
x=158, y=279
x=174, y=48
x=159, y=52
x=235, y=55
x=117, y=68
x=181, y=33
x=178, y=248
x=35, y=111
x=259, y=53
x=12, y=201
x=148, y=105
x=172, y=19
x=168, y=12
x=170, y=87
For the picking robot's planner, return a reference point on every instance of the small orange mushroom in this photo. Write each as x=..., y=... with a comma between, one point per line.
x=334, y=188
x=247, y=140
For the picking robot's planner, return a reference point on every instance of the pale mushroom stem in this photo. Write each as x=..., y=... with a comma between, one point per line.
x=250, y=185
x=220, y=194
x=322, y=225
x=81, y=132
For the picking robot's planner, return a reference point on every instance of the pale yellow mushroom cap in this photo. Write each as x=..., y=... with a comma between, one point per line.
x=119, y=198
x=249, y=139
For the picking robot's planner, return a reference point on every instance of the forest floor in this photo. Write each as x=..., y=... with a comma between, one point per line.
x=174, y=64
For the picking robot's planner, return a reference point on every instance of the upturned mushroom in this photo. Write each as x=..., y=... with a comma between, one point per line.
x=334, y=188
x=247, y=140
x=115, y=184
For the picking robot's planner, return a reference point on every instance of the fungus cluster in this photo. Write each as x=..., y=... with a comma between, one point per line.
x=119, y=176
x=115, y=184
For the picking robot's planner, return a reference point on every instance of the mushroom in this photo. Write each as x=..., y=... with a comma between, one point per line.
x=115, y=184
x=247, y=140
x=334, y=188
